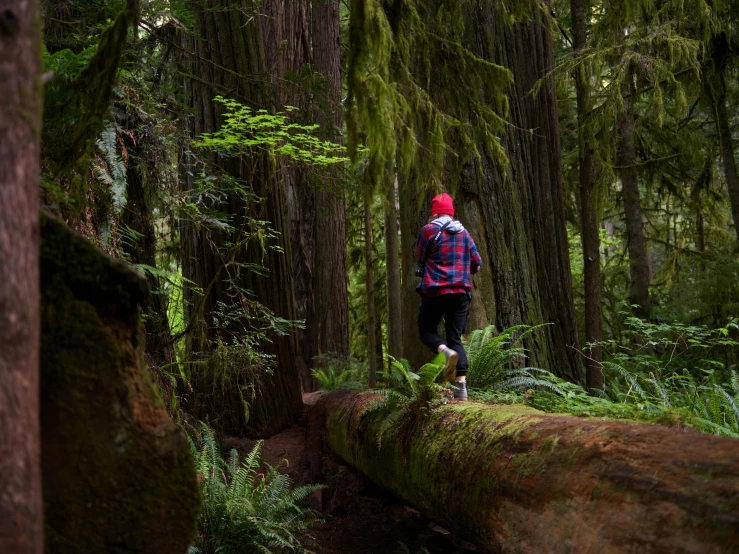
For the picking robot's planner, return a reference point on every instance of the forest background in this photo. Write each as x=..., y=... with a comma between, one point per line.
x=267, y=166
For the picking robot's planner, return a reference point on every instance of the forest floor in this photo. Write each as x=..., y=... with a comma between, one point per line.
x=360, y=517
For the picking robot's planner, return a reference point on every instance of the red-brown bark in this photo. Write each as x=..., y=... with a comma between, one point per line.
x=588, y=215
x=513, y=479
x=21, y=515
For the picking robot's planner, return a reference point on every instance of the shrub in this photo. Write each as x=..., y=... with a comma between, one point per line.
x=339, y=373
x=245, y=511
x=495, y=360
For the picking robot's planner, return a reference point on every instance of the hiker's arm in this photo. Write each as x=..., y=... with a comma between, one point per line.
x=475, y=258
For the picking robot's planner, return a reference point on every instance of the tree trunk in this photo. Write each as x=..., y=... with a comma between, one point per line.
x=522, y=208
x=638, y=259
x=412, y=218
x=331, y=322
x=138, y=216
x=371, y=320
x=716, y=88
x=392, y=265
x=589, y=221
x=482, y=308
x=236, y=52
x=535, y=482
x=21, y=511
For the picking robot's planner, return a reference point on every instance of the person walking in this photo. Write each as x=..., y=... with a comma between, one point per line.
x=447, y=258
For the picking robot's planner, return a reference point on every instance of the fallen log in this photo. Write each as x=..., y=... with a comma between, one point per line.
x=514, y=479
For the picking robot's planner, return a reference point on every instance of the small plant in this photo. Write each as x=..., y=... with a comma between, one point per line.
x=406, y=392
x=495, y=361
x=245, y=511
x=339, y=373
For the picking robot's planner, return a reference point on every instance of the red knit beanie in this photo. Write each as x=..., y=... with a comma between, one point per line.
x=442, y=205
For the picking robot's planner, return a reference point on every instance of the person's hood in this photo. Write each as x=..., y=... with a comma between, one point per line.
x=455, y=226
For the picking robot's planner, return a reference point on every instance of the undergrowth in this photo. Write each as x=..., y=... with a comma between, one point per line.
x=247, y=509
x=665, y=374
x=335, y=373
x=406, y=393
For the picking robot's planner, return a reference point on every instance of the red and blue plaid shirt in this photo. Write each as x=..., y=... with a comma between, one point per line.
x=449, y=262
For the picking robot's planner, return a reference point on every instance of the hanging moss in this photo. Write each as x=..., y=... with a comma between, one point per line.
x=84, y=105
x=416, y=96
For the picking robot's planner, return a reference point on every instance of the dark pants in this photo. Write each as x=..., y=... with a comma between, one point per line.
x=454, y=308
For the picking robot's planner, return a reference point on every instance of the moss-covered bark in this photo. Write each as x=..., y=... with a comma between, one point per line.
x=117, y=473
x=517, y=480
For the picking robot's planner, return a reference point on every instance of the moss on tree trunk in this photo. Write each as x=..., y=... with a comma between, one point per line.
x=117, y=473
x=517, y=480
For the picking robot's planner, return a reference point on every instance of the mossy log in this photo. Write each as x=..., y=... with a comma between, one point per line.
x=514, y=479
x=117, y=473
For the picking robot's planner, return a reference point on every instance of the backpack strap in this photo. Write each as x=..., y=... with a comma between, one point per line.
x=436, y=238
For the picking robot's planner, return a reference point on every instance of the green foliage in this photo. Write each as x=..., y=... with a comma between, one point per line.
x=247, y=509
x=77, y=104
x=338, y=373
x=405, y=111
x=495, y=360
x=406, y=392
x=663, y=374
x=246, y=132
x=111, y=171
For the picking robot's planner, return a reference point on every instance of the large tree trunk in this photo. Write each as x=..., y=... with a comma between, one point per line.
x=371, y=318
x=392, y=268
x=638, y=259
x=482, y=308
x=412, y=218
x=21, y=511
x=234, y=50
x=716, y=88
x=522, y=213
x=287, y=42
x=534, y=482
x=331, y=320
x=589, y=221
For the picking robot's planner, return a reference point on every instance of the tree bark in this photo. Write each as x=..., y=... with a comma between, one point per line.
x=536, y=482
x=411, y=220
x=371, y=320
x=21, y=511
x=331, y=324
x=392, y=265
x=238, y=54
x=521, y=207
x=589, y=221
x=638, y=259
x=716, y=88
x=138, y=216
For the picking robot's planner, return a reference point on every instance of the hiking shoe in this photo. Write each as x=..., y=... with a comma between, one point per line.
x=460, y=391
x=450, y=365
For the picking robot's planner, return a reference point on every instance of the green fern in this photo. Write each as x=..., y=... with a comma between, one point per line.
x=333, y=378
x=245, y=510
x=495, y=359
x=113, y=173
x=406, y=391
